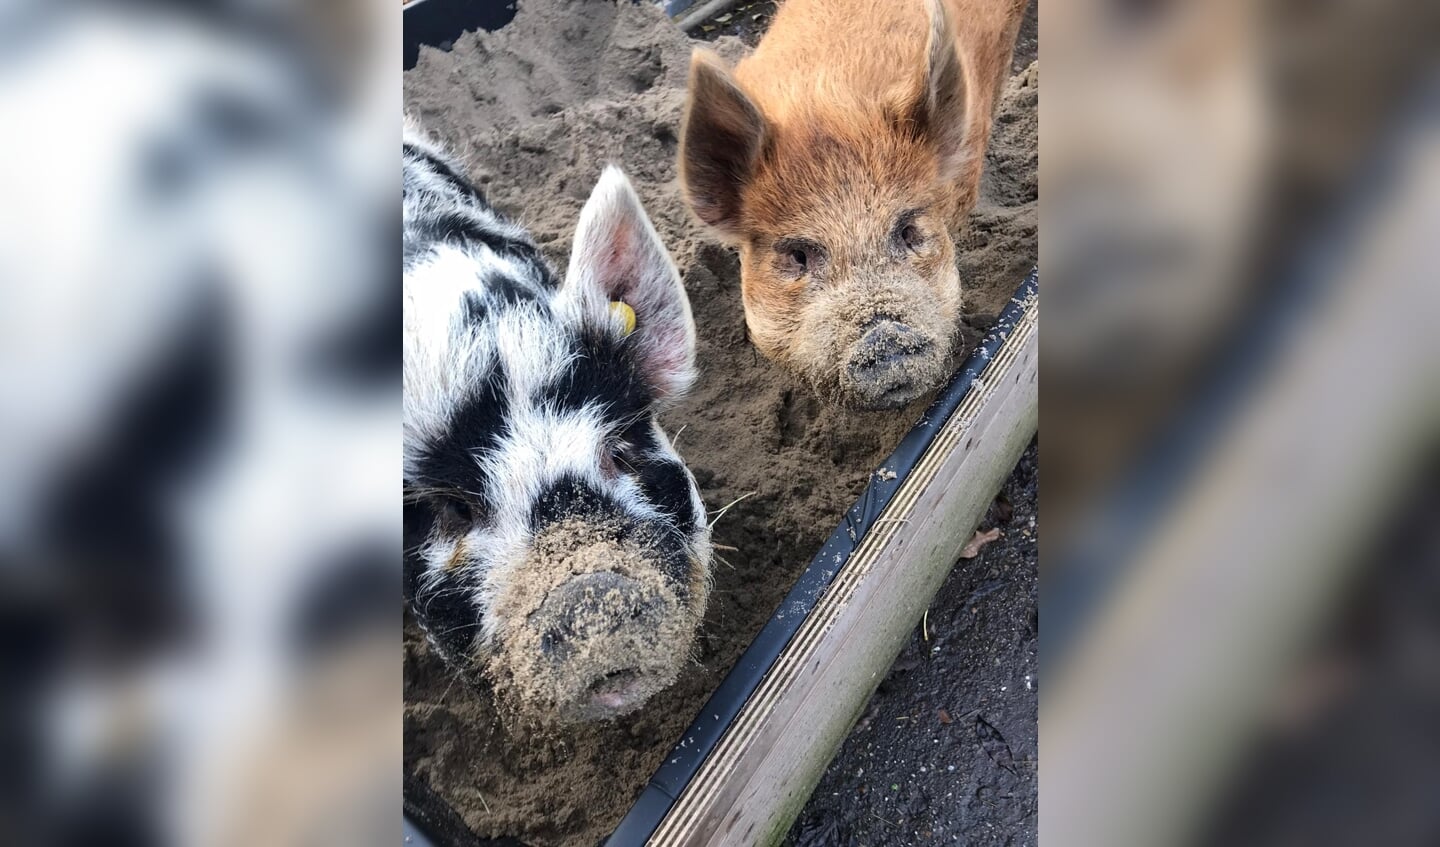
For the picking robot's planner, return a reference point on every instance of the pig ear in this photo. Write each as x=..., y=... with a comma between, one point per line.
x=619, y=258
x=940, y=110
x=720, y=140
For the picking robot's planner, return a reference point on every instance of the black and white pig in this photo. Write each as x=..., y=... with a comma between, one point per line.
x=562, y=551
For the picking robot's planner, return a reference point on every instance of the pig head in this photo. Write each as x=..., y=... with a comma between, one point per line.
x=840, y=160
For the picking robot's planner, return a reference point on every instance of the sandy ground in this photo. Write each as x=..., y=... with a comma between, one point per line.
x=537, y=109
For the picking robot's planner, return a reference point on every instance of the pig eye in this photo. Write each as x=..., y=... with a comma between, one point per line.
x=614, y=457
x=797, y=257
x=907, y=233
x=624, y=453
x=454, y=514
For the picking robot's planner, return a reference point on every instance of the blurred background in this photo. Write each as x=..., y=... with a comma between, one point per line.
x=199, y=431
x=1240, y=382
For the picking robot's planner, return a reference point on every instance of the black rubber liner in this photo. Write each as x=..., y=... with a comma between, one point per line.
x=438, y=23
x=430, y=822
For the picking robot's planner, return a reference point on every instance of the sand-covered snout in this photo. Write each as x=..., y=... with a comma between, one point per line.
x=892, y=363
x=592, y=626
x=877, y=346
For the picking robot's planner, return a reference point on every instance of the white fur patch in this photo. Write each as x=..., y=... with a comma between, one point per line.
x=458, y=335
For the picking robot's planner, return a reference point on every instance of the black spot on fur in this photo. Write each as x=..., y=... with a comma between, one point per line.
x=365, y=353
x=663, y=480
x=466, y=226
x=474, y=307
x=604, y=374
x=454, y=227
x=442, y=168
x=449, y=614
x=108, y=522
x=476, y=427
x=417, y=518
x=464, y=229
x=574, y=498
x=353, y=591
x=667, y=487
x=505, y=289
x=445, y=609
x=518, y=249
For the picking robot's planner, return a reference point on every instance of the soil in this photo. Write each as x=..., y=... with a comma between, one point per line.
x=536, y=110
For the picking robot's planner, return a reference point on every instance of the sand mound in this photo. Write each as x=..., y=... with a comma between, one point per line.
x=537, y=110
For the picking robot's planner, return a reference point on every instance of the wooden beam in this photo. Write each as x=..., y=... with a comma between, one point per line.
x=754, y=783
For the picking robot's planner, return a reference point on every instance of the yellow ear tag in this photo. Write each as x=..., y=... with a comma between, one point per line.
x=625, y=314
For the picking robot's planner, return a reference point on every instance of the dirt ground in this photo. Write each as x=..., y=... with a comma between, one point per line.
x=536, y=110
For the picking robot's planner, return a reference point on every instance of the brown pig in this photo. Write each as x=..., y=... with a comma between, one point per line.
x=841, y=158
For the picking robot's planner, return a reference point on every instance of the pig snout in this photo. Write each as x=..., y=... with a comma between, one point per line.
x=592, y=607
x=602, y=630
x=594, y=623
x=891, y=363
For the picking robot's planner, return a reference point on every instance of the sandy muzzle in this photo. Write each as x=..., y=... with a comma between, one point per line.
x=833, y=353
x=590, y=626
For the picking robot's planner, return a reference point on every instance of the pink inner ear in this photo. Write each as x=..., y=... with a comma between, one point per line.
x=623, y=271
x=659, y=323
x=621, y=265
x=626, y=262
x=664, y=364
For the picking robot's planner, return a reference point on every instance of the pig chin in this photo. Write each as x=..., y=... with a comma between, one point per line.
x=594, y=631
x=878, y=349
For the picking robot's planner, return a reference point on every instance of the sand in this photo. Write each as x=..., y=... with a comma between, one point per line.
x=536, y=110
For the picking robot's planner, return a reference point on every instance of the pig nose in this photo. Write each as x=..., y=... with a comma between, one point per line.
x=886, y=361
x=593, y=620
x=591, y=607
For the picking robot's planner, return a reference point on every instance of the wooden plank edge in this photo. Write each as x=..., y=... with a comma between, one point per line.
x=779, y=745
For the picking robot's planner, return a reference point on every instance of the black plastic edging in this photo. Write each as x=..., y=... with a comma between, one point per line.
x=437, y=23
x=715, y=717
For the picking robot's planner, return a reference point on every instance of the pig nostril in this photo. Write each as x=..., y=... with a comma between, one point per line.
x=887, y=343
x=614, y=689
x=589, y=607
x=614, y=681
x=877, y=319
